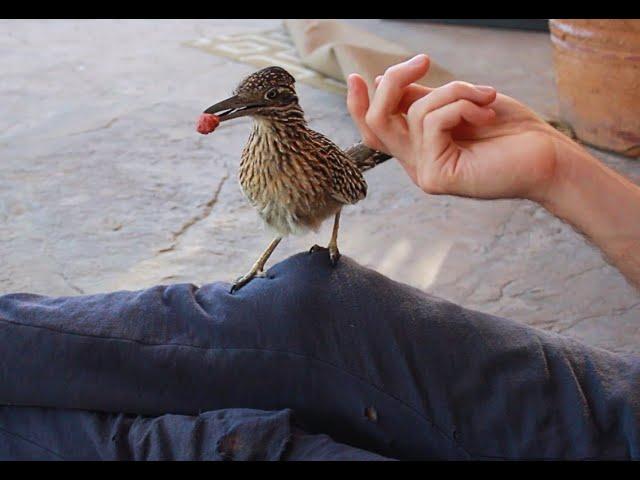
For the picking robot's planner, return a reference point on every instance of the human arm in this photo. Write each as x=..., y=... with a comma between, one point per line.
x=468, y=140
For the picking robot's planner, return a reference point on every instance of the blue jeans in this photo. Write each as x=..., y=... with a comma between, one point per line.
x=374, y=364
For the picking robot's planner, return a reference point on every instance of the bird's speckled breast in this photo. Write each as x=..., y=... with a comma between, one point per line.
x=284, y=180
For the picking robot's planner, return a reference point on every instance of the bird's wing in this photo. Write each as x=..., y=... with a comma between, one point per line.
x=348, y=185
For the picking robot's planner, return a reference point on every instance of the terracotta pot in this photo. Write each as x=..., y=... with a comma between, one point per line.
x=597, y=66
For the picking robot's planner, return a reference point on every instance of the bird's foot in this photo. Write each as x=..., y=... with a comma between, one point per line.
x=334, y=254
x=246, y=278
x=315, y=248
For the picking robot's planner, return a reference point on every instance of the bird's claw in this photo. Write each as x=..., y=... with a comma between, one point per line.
x=334, y=256
x=334, y=253
x=244, y=279
x=237, y=285
x=315, y=248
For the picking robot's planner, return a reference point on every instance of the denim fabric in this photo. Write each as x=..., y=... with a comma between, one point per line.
x=34, y=433
x=372, y=363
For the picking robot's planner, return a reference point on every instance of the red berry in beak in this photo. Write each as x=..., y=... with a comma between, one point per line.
x=207, y=123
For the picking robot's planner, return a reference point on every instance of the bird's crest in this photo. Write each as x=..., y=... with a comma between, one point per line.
x=264, y=79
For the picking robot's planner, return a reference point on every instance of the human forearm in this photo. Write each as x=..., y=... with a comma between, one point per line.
x=600, y=203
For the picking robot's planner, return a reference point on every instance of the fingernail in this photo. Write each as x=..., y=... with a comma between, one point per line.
x=417, y=60
x=485, y=88
x=350, y=81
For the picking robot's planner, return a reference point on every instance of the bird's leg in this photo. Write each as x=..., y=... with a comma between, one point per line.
x=334, y=253
x=258, y=267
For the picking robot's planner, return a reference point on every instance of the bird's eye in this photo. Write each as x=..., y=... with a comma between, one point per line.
x=271, y=94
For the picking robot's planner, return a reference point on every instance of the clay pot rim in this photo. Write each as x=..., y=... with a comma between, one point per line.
x=594, y=36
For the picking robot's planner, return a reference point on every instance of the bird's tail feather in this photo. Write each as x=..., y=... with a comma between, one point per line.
x=365, y=157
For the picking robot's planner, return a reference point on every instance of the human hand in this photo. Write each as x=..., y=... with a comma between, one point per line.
x=459, y=139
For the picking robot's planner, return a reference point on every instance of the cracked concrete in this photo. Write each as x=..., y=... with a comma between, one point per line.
x=105, y=185
x=206, y=211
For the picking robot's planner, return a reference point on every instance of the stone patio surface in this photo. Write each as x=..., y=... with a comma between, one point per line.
x=105, y=185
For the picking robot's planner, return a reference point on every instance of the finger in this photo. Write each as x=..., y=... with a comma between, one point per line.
x=417, y=86
x=358, y=105
x=386, y=99
x=447, y=94
x=437, y=124
x=411, y=94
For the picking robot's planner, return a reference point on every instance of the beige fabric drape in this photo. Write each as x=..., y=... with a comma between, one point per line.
x=337, y=49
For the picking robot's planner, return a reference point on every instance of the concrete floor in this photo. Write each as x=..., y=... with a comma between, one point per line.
x=105, y=185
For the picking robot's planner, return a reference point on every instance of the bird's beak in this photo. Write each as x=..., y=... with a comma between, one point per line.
x=232, y=107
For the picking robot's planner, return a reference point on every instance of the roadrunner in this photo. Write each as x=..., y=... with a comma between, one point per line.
x=294, y=176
